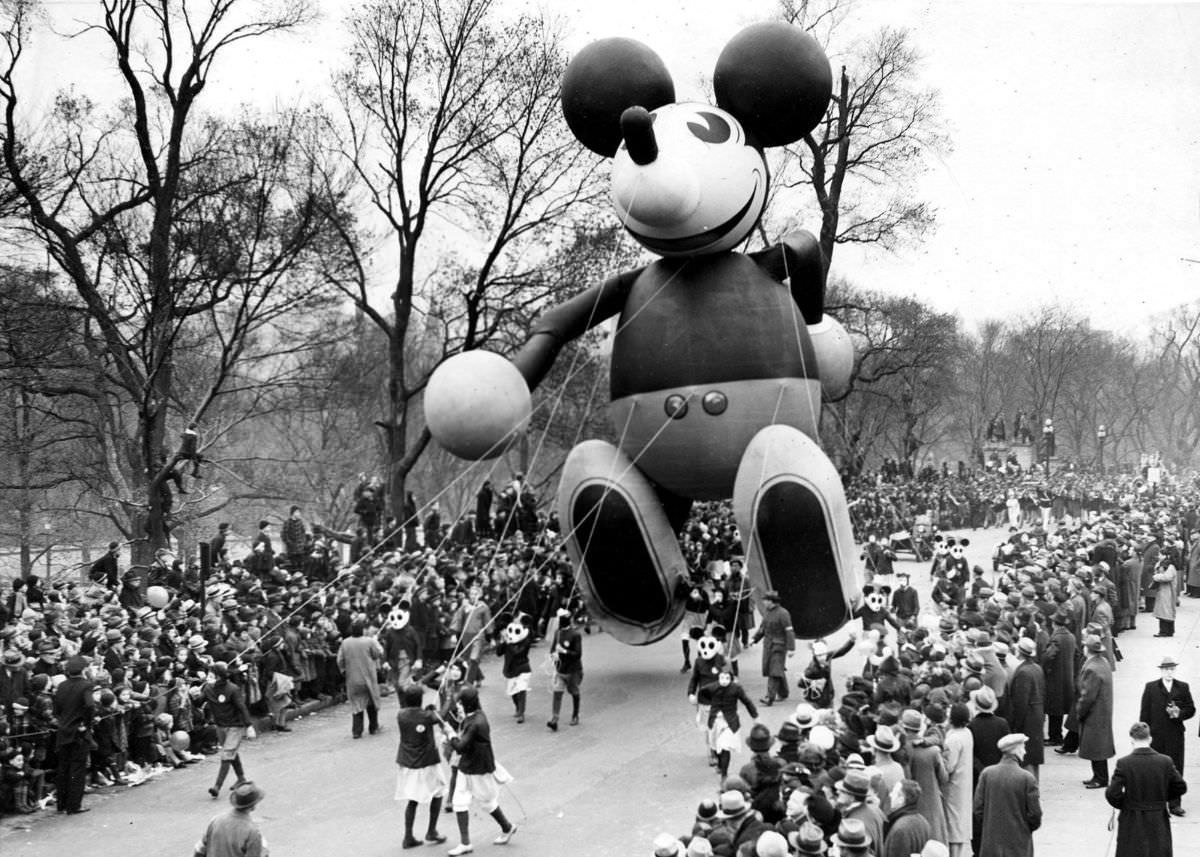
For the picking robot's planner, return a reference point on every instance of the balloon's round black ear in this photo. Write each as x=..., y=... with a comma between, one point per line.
x=602, y=81
x=775, y=78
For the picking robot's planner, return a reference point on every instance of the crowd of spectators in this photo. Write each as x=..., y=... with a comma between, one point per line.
x=276, y=616
x=1005, y=660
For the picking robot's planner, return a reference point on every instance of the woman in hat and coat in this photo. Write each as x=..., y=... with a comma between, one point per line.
x=957, y=792
x=927, y=767
x=1094, y=709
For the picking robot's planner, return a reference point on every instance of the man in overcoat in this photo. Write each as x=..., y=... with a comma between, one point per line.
x=1058, y=665
x=1166, y=704
x=1025, y=703
x=359, y=658
x=779, y=642
x=1142, y=786
x=75, y=708
x=1094, y=709
x=1007, y=804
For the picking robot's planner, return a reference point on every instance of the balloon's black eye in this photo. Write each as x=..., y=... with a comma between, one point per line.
x=715, y=129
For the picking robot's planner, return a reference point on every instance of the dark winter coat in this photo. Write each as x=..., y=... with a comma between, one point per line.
x=1025, y=702
x=1009, y=810
x=1141, y=786
x=778, y=639
x=1166, y=733
x=724, y=700
x=907, y=833
x=1094, y=709
x=986, y=729
x=1058, y=665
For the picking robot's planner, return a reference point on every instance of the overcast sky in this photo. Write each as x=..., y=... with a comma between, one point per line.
x=1075, y=170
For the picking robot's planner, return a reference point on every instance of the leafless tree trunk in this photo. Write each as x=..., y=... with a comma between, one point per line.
x=451, y=116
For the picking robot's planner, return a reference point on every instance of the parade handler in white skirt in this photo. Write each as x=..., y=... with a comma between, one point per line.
x=723, y=720
x=479, y=777
x=423, y=775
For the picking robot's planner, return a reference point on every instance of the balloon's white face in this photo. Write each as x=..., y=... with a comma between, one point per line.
x=703, y=192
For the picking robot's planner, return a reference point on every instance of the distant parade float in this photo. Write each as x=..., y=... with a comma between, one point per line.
x=719, y=359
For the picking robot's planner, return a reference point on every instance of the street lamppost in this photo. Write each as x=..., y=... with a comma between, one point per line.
x=46, y=529
x=1101, y=436
x=1048, y=443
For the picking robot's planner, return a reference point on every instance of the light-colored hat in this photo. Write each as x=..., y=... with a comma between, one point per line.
x=805, y=716
x=884, y=740
x=1168, y=662
x=733, y=804
x=771, y=843
x=984, y=699
x=699, y=847
x=1027, y=647
x=1008, y=742
x=666, y=845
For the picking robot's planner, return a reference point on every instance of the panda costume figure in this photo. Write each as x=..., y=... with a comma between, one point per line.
x=720, y=358
x=710, y=660
x=401, y=645
x=959, y=569
x=874, y=610
x=514, y=644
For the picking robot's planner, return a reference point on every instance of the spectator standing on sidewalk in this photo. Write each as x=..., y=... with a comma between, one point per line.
x=1143, y=785
x=1166, y=704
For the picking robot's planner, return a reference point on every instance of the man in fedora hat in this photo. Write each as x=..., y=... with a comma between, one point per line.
x=1058, y=665
x=234, y=833
x=853, y=839
x=1007, y=806
x=1166, y=704
x=1026, y=703
x=853, y=791
x=1143, y=782
x=986, y=727
x=779, y=643
x=1094, y=710
x=808, y=840
x=739, y=819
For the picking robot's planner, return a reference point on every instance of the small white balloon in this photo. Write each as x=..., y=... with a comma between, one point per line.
x=475, y=403
x=835, y=355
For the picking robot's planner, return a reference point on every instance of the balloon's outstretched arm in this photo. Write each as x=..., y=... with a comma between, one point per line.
x=570, y=320
x=798, y=260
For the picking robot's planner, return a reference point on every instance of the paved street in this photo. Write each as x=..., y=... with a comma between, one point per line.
x=633, y=768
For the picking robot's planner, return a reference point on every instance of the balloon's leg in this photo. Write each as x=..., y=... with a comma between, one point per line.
x=791, y=510
x=621, y=543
